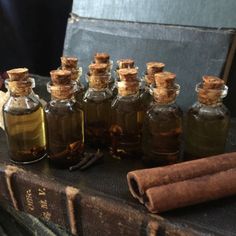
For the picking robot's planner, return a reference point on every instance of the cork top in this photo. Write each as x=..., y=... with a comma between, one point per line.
x=125, y=63
x=211, y=90
x=98, y=69
x=101, y=57
x=128, y=74
x=60, y=77
x=165, y=79
x=212, y=82
x=126, y=88
x=69, y=62
x=99, y=82
x=154, y=67
x=18, y=74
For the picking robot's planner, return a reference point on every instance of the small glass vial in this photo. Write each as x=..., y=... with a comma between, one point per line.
x=207, y=120
x=23, y=119
x=64, y=121
x=127, y=117
x=71, y=64
x=97, y=107
x=162, y=127
x=148, y=81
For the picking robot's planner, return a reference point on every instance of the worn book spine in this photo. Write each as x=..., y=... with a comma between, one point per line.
x=79, y=212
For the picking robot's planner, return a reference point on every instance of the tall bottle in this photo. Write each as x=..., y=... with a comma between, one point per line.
x=127, y=117
x=207, y=120
x=97, y=106
x=148, y=81
x=162, y=127
x=23, y=119
x=71, y=64
x=64, y=121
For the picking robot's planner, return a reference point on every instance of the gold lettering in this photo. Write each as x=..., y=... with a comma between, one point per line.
x=29, y=200
x=42, y=191
x=47, y=215
x=43, y=204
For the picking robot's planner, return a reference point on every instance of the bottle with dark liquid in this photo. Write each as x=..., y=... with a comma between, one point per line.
x=71, y=64
x=97, y=107
x=64, y=121
x=207, y=120
x=23, y=119
x=162, y=127
x=148, y=81
x=127, y=117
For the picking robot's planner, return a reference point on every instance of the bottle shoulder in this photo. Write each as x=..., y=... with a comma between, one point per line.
x=203, y=111
x=97, y=96
x=24, y=104
x=62, y=107
x=164, y=112
x=126, y=104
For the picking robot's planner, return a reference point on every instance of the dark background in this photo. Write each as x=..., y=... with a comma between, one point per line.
x=32, y=32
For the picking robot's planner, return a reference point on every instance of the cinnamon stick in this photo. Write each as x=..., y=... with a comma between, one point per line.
x=191, y=191
x=141, y=180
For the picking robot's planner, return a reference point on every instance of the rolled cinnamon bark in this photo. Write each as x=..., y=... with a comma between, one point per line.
x=191, y=191
x=141, y=180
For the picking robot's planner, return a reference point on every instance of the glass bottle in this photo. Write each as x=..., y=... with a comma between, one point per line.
x=207, y=120
x=162, y=127
x=97, y=107
x=71, y=64
x=127, y=117
x=64, y=121
x=148, y=81
x=23, y=119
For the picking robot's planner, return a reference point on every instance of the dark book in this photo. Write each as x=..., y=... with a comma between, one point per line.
x=97, y=201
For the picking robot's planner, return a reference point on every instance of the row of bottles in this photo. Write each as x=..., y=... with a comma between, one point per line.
x=131, y=117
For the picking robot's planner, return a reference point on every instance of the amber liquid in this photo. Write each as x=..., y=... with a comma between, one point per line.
x=206, y=133
x=25, y=135
x=162, y=136
x=65, y=133
x=97, y=122
x=125, y=131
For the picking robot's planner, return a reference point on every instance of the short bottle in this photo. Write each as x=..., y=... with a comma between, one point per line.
x=64, y=121
x=71, y=64
x=127, y=117
x=97, y=106
x=23, y=119
x=207, y=120
x=148, y=81
x=162, y=129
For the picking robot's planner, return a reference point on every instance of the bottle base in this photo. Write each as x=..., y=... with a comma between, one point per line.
x=28, y=162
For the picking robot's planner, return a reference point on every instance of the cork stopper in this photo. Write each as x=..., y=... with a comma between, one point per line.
x=60, y=77
x=101, y=57
x=69, y=63
x=98, y=69
x=98, y=82
x=210, y=91
x=128, y=88
x=154, y=67
x=18, y=74
x=212, y=82
x=125, y=63
x=164, y=95
x=165, y=79
x=128, y=74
